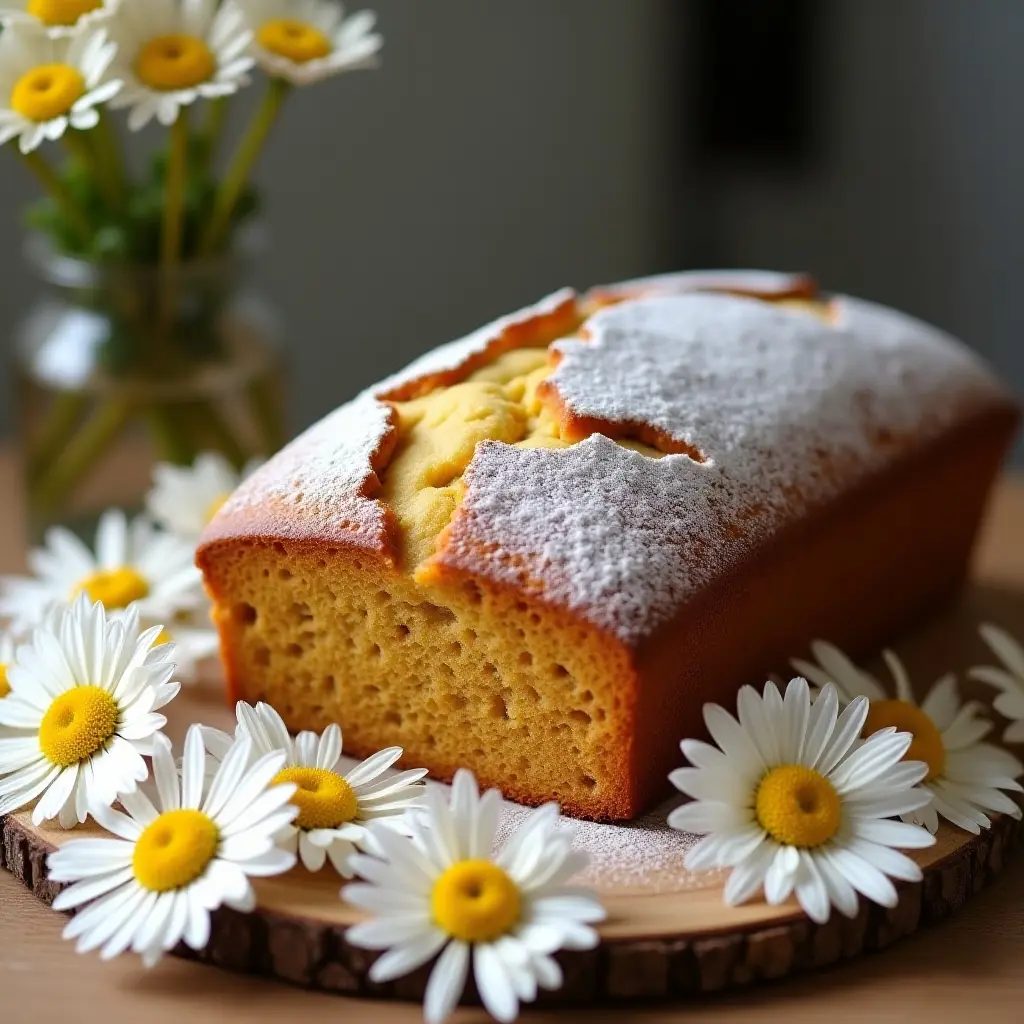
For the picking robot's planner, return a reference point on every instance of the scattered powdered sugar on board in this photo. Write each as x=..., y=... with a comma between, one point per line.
x=789, y=412
x=641, y=856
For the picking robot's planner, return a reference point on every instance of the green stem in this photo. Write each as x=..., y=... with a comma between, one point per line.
x=242, y=163
x=213, y=128
x=109, y=159
x=84, y=450
x=52, y=183
x=170, y=435
x=64, y=413
x=174, y=204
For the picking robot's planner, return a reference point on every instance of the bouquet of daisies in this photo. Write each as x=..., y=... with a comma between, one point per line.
x=67, y=66
x=161, y=234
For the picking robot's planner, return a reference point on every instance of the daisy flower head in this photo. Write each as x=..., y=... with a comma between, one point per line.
x=184, y=499
x=1008, y=678
x=334, y=808
x=965, y=776
x=171, y=53
x=175, y=860
x=49, y=85
x=794, y=803
x=134, y=564
x=83, y=701
x=58, y=17
x=445, y=894
x=304, y=41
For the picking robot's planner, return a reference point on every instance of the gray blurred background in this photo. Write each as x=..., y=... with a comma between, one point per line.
x=505, y=149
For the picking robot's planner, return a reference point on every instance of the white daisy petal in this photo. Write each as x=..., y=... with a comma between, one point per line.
x=407, y=955
x=494, y=982
x=447, y=982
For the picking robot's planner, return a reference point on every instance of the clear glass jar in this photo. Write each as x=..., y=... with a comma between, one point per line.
x=118, y=367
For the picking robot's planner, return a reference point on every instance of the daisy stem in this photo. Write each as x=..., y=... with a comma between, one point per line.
x=213, y=128
x=174, y=202
x=168, y=436
x=242, y=163
x=52, y=183
x=110, y=163
x=83, y=149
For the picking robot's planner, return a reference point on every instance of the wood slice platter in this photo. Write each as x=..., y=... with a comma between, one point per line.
x=668, y=934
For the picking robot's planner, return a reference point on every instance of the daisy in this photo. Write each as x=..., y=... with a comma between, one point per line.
x=446, y=893
x=792, y=802
x=174, y=52
x=1008, y=679
x=48, y=85
x=60, y=17
x=83, y=699
x=964, y=775
x=134, y=564
x=184, y=499
x=177, y=860
x=303, y=41
x=334, y=808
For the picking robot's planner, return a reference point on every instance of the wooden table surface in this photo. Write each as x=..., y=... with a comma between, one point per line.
x=971, y=966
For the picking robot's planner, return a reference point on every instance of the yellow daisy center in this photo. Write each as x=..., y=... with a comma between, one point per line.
x=324, y=798
x=77, y=724
x=475, y=901
x=927, y=745
x=5, y=687
x=294, y=40
x=114, y=588
x=61, y=12
x=163, y=637
x=174, y=850
x=215, y=506
x=798, y=806
x=177, y=61
x=47, y=91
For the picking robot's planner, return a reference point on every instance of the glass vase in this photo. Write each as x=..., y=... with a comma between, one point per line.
x=118, y=367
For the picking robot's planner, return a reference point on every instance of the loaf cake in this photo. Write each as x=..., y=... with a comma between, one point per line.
x=537, y=551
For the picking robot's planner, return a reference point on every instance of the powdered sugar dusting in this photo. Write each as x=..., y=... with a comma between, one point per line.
x=317, y=485
x=788, y=411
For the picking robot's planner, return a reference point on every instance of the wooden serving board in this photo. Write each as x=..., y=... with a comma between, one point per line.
x=671, y=935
